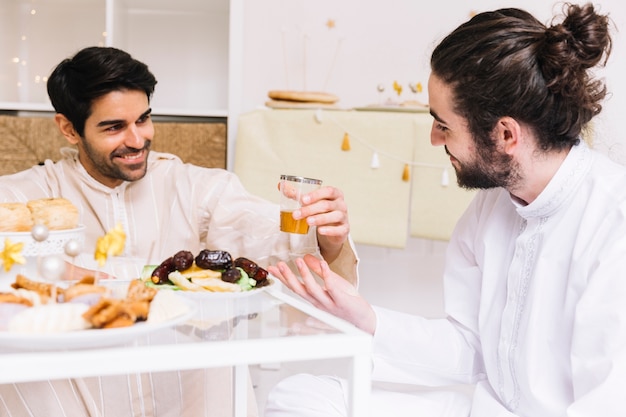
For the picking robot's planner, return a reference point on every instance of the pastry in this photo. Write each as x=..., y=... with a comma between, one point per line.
x=55, y=213
x=15, y=217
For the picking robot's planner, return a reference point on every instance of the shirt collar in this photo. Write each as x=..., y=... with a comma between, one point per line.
x=563, y=185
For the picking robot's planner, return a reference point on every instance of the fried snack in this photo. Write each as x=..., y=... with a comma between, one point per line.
x=15, y=217
x=79, y=289
x=109, y=313
x=87, y=279
x=140, y=309
x=96, y=308
x=55, y=213
x=119, y=321
x=9, y=297
x=138, y=291
x=42, y=288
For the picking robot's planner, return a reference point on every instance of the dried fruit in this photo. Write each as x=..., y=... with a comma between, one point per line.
x=182, y=260
x=217, y=260
x=231, y=275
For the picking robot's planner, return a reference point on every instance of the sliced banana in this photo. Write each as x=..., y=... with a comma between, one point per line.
x=216, y=285
x=183, y=283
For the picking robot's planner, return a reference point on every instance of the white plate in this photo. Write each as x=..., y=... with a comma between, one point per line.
x=92, y=338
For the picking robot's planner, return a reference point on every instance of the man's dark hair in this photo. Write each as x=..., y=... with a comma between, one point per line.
x=507, y=63
x=92, y=73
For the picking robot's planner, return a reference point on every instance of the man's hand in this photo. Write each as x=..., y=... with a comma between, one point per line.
x=326, y=209
x=337, y=296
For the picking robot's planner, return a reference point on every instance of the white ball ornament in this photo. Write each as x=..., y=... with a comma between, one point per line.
x=40, y=232
x=72, y=248
x=52, y=267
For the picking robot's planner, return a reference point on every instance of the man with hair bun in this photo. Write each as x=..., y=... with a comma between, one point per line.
x=534, y=283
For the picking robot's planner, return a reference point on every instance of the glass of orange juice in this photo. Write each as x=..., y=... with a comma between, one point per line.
x=292, y=188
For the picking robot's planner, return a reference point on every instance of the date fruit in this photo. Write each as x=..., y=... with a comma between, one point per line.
x=216, y=260
x=253, y=270
x=161, y=272
x=183, y=260
x=231, y=275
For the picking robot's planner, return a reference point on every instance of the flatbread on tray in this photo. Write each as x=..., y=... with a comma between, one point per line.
x=303, y=96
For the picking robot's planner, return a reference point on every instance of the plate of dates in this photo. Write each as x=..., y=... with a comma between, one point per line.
x=208, y=273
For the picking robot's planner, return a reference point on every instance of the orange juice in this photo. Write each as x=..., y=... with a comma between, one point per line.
x=290, y=225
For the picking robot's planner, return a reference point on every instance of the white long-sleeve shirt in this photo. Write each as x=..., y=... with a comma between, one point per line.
x=535, y=298
x=175, y=206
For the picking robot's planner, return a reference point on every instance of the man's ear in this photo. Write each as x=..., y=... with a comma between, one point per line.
x=508, y=133
x=67, y=128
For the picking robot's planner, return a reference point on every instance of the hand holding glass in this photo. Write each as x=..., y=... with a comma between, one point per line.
x=292, y=188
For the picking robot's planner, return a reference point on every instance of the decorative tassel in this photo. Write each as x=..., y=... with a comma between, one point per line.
x=406, y=173
x=375, y=162
x=319, y=117
x=445, y=178
x=345, y=145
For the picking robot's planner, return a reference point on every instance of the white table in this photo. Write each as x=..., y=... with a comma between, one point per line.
x=268, y=327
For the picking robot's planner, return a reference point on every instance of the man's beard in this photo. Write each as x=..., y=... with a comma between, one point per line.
x=108, y=169
x=489, y=169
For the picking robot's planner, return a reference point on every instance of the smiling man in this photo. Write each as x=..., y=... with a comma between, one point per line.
x=534, y=284
x=113, y=150
x=102, y=101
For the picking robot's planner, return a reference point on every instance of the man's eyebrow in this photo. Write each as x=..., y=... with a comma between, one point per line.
x=110, y=122
x=437, y=118
x=118, y=121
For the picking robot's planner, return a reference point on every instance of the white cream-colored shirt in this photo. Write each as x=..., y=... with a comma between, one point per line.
x=535, y=300
x=175, y=206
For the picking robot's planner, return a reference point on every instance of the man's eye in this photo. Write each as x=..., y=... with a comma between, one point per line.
x=441, y=127
x=114, y=128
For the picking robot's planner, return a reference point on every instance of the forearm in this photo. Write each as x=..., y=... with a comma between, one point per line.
x=415, y=350
x=345, y=263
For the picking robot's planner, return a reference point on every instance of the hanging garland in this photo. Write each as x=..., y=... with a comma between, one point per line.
x=375, y=161
x=345, y=144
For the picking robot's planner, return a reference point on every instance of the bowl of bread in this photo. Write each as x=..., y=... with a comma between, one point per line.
x=36, y=229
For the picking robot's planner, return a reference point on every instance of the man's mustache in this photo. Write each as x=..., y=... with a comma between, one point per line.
x=128, y=151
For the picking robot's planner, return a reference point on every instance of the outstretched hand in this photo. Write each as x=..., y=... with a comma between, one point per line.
x=336, y=296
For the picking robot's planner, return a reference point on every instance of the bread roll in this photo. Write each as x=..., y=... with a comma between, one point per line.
x=15, y=217
x=55, y=213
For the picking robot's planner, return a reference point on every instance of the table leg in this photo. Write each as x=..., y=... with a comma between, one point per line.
x=360, y=386
x=240, y=390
